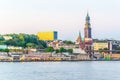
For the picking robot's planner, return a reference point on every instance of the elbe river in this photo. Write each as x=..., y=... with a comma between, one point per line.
x=81, y=70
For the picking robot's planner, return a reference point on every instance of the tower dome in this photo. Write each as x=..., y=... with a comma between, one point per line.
x=87, y=29
x=87, y=17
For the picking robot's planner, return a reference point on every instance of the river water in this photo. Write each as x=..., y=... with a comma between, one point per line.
x=81, y=70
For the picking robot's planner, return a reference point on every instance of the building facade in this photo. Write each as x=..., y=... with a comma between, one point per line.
x=100, y=45
x=48, y=36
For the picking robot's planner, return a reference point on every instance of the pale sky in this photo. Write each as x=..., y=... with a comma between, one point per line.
x=65, y=16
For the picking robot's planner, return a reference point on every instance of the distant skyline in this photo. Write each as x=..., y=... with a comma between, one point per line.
x=65, y=16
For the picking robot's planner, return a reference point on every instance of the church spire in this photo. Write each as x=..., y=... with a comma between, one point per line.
x=87, y=24
x=87, y=18
x=87, y=29
x=79, y=33
x=79, y=39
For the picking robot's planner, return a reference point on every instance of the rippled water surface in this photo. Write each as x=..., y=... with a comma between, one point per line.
x=86, y=70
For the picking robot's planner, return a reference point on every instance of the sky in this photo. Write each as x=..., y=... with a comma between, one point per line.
x=65, y=16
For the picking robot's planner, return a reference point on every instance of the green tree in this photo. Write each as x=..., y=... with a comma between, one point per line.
x=6, y=50
x=30, y=45
x=57, y=50
x=49, y=49
x=21, y=37
x=70, y=51
x=68, y=42
x=24, y=40
x=118, y=48
x=62, y=50
x=105, y=49
x=1, y=50
x=1, y=38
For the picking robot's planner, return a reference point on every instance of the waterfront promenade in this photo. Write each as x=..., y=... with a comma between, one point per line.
x=53, y=57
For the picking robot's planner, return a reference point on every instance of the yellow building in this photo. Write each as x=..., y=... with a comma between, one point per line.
x=47, y=35
x=100, y=45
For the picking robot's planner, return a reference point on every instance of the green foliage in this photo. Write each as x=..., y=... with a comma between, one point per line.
x=70, y=51
x=68, y=42
x=76, y=47
x=107, y=58
x=100, y=49
x=23, y=40
x=62, y=50
x=30, y=45
x=4, y=50
x=1, y=38
x=57, y=50
x=118, y=48
x=49, y=49
x=104, y=49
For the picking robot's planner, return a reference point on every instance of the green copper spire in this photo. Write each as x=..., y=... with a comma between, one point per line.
x=87, y=17
x=87, y=29
x=87, y=24
x=79, y=33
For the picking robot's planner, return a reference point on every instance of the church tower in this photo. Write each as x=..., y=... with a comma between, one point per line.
x=79, y=39
x=87, y=29
x=87, y=34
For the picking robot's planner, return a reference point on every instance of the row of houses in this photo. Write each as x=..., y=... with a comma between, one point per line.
x=9, y=47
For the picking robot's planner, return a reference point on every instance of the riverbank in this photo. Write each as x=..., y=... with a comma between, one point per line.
x=61, y=61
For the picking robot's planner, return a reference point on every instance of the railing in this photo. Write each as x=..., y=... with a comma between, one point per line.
x=102, y=50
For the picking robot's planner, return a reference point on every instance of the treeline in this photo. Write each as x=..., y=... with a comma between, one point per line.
x=61, y=50
x=68, y=42
x=23, y=40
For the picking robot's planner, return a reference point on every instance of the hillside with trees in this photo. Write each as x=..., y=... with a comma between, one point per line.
x=23, y=40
